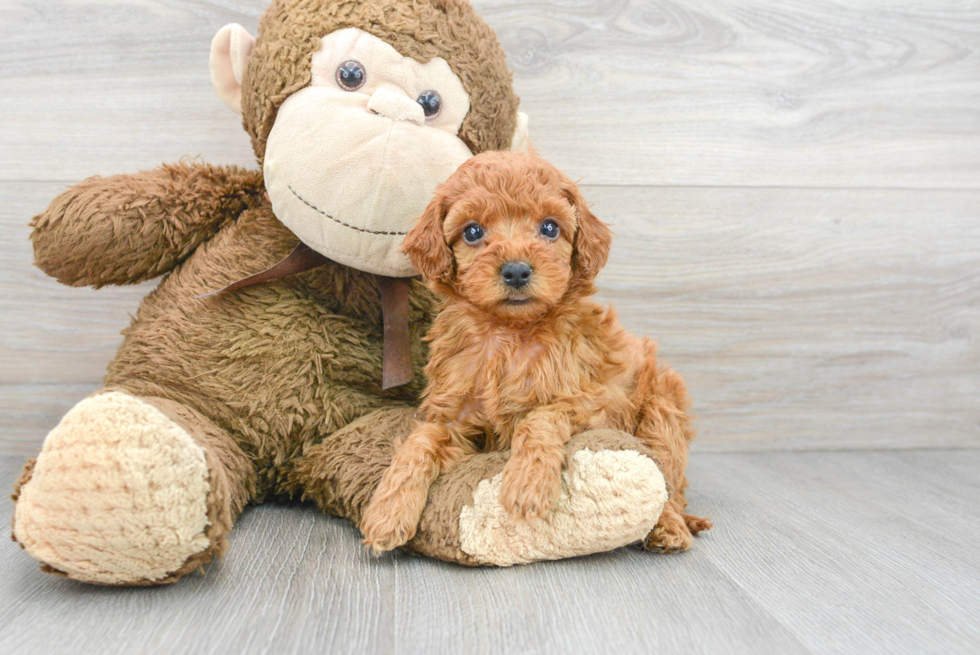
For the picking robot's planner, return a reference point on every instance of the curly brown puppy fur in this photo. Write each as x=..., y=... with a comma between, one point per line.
x=520, y=357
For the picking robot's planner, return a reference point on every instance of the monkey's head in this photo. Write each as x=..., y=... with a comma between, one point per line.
x=358, y=109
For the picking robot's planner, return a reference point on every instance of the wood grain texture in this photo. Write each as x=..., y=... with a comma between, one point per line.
x=747, y=92
x=807, y=318
x=686, y=92
x=55, y=341
x=857, y=552
x=627, y=601
x=29, y=411
x=96, y=87
x=801, y=318
x=865, y=552
x=51, y=333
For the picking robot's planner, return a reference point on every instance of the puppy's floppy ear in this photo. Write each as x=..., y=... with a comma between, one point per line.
x=592, y=238
x=425, y=244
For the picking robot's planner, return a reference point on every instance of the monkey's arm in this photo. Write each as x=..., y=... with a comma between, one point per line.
x=126, y=229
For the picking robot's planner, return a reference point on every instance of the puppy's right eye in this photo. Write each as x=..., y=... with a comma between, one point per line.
x=472, y=234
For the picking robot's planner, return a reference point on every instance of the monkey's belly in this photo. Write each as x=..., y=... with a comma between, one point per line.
x=271, y=366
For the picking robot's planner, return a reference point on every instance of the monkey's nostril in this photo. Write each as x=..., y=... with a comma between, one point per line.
x=515, y=274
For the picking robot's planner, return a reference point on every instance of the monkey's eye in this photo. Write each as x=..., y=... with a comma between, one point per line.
x=431, y=103
x=549, y=229
x=472, y=234
x=351, y=75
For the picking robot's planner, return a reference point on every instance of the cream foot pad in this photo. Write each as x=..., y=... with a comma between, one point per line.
x=118, y=494
x=609, y=499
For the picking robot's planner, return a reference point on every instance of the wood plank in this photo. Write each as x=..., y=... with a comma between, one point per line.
x=817, y=93
x=841, y=549
x=29, y=411
x=50, y=333
x=812, y=552
x=101, y=88
x=732, y=93
x=627, y=601
x=807, y=318
x=846, y=549
x=55, y=341
x=800, y=318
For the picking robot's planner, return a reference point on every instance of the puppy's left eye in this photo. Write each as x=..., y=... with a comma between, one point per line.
x=549, y=229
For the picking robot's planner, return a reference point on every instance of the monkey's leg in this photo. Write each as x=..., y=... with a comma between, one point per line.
x=665, y=428
x=612, y=494
x=131, y=491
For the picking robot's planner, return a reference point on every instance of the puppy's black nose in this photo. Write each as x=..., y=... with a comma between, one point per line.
x=515, y=274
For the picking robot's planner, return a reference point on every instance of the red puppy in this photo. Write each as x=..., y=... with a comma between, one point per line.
x=520, y=357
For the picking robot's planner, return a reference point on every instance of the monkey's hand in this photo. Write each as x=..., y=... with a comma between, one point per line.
x=126, y=229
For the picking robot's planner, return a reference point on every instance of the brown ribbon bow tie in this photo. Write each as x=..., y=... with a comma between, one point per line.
x=397, y=367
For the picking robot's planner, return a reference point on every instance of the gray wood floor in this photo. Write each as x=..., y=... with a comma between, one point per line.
x=795, y=187
x=870, y=552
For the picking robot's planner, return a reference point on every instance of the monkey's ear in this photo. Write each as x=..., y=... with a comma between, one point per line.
x=425, y=244
x=230, y=49
x=521, y=141
x=593, y=238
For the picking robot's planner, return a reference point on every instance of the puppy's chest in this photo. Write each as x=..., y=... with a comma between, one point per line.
x=511, y=380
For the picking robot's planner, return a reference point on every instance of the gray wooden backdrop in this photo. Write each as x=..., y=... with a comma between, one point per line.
x=795, y=187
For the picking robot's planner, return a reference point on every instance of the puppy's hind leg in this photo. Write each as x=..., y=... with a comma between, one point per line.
x=663, y=425
x=697, y=524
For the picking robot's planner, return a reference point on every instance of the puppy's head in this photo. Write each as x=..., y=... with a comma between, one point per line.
x=511, y=235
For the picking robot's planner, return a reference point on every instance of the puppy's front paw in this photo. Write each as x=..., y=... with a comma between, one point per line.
x=529, y=491
x=389, y=523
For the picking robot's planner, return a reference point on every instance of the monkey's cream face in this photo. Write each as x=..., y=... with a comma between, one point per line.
x=355, y=157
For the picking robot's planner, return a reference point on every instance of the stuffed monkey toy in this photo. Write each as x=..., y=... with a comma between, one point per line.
x=294, y=379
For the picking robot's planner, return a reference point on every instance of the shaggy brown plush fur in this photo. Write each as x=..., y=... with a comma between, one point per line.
x=127, y=229
x=524, y=366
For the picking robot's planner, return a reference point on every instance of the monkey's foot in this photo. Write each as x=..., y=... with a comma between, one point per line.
x=118, y=495
x=609, y=498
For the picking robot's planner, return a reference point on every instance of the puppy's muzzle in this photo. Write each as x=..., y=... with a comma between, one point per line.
x=516, y=274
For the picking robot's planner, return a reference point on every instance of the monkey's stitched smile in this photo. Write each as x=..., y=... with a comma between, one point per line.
x=340, y=222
